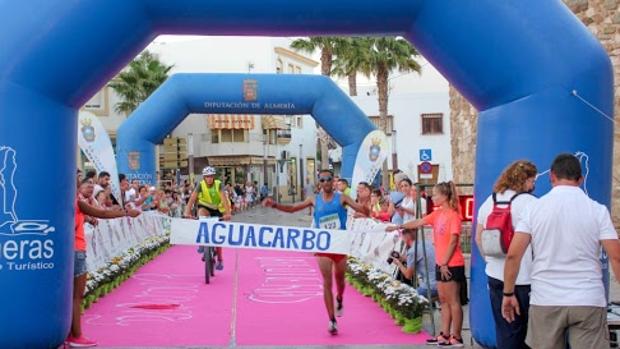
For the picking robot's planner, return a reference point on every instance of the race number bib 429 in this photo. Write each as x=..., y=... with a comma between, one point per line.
x=331, y=222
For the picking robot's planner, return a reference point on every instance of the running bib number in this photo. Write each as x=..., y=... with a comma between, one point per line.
x=331, y=222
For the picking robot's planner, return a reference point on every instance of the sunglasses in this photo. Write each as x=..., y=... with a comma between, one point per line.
x=325, y=179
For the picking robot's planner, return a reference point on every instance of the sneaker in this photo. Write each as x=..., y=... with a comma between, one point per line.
x=332, y=327
x=453, y=342
x=219, y=266
x=81, y=342
x=439, y=339
x=339, y=308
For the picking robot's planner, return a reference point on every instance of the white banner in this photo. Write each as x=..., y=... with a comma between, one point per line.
x=369, y=160
x=96, y=145
x=113, y=237
x=367, y=240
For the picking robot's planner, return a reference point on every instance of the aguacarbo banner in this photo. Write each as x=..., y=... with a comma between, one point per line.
x=96, y=145
x=366, y=240
x=113, y=237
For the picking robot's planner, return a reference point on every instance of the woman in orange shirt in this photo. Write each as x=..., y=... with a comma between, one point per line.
x=446, y=223
x=82, y=209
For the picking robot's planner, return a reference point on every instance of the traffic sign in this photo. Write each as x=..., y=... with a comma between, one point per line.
x=426, y=167
x=426, y=155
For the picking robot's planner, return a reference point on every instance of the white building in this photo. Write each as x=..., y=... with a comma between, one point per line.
x=239, y=149
x=422, y=124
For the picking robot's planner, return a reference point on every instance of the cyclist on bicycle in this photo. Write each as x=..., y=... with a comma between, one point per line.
x=212, y=202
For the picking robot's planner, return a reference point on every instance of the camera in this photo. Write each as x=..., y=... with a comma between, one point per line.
x=393, y=255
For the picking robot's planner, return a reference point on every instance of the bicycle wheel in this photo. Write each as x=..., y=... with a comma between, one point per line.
x=208, y=266
x=212, y=259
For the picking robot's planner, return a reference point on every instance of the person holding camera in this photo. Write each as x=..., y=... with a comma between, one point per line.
x=420, y=263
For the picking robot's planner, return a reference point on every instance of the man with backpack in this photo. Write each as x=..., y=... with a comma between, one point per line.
x=497, y=217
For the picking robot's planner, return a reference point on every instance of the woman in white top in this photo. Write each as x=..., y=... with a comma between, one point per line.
x=517, y=179
x=406, y=211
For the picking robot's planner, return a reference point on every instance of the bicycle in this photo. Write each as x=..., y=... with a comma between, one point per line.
x=208, y=257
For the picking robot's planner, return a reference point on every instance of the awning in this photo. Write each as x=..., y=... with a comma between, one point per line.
x=271, y=122
x=230, y=121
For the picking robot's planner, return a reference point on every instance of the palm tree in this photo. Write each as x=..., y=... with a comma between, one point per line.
x=386, y=55
x=138, y=80
x=352, y=56
x=327, y=46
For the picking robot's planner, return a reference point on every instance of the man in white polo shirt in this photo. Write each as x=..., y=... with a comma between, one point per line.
x=566, y=229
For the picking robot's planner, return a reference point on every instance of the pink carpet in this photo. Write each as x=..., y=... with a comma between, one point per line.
x=166, y=303
x=281, y=303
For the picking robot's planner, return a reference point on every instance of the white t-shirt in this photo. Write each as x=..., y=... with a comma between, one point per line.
x=495, y=265
x=567, y=228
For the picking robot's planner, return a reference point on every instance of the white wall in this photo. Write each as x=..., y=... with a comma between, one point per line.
x=407, y=108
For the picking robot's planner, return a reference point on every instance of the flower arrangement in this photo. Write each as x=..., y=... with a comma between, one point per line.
x=120, y=268
x=399, y=300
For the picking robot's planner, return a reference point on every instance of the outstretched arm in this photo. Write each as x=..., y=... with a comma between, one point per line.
x=99, y=213
x=268, y=202
x=346, y=200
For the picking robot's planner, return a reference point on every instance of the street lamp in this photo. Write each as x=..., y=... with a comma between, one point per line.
x=394, y=154
x=301, y=172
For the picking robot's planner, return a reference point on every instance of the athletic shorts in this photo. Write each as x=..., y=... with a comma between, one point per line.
x=458, y=274
x=212, y=212
x=334, y=257
x=79, y=264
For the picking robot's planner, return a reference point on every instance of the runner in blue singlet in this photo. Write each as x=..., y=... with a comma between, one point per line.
x=329, y=213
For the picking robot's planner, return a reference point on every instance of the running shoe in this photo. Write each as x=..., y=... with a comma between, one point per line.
x=339, y=308
x=439, y=339
x=332, y=327
x=81, y=342
x=453, y=342
x=219, y=266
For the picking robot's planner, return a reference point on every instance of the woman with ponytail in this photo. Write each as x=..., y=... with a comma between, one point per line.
x=450, y=268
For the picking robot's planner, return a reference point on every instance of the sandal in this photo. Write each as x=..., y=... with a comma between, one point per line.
x=452, y=342
x=439, y=339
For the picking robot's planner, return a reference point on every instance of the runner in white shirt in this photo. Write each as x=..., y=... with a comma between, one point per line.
x=514, y=184
x=566, y=229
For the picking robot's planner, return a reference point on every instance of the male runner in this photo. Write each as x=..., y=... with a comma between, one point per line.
x=329, y=213
x=212, y=202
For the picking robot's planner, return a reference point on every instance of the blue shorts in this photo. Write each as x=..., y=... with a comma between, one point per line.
x=79, y=264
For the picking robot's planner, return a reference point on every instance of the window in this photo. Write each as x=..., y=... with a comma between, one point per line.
x=300, y=122
x=229, y=136
x=432, y=123
x=291, y=69
x=279, y=66
x=297, y=70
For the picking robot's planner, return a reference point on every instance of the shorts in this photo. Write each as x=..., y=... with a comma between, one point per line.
x=212, y=212
x=586, y=327
x=458, y=276
x=334, y=257
x=79, y=264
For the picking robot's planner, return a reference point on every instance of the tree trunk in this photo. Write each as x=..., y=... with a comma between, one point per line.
x=382, y=89
x=327, y=57
x=352, y=83
x=326, y=69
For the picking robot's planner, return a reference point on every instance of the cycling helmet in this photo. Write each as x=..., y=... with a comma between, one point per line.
x=208, y=171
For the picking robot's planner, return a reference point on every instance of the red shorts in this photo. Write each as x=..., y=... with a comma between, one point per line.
x=334, y=257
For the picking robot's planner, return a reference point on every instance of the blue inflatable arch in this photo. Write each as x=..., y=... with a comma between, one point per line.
x=541, y=81
x=182, y=94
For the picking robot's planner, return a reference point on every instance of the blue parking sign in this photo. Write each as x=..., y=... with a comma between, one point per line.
x=426, y=155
